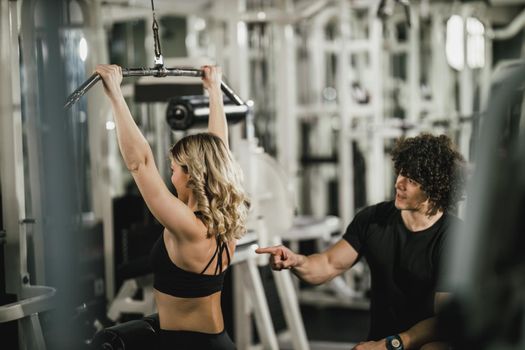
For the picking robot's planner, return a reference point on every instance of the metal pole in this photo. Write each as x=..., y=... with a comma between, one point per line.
x=286, y=97
x=413, y=68
x=60, y=200
x=345, y=156
x=34, y=161
x=376, y=164
x=100, y=142
x=466, y=89
x=316, y=178
x=11, y=157
x=440, y=79
x=237, y=66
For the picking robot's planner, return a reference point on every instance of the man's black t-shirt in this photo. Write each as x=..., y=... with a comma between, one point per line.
x=404, y=266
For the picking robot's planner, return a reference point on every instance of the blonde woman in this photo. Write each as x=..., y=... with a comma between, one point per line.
x=201, y=224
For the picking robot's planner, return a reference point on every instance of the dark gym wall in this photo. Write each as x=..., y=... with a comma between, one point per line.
x=126, y=41
x=173, y=36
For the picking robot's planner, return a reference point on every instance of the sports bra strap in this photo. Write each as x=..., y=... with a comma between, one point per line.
x=221, y=251
x=227, y=253
x=213, y=257
x=219, y=258
x=221, y=247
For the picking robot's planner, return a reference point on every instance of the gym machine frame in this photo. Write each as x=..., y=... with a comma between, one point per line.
x=158, y=71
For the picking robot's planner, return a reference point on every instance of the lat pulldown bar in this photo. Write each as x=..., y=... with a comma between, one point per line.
x=152, y=72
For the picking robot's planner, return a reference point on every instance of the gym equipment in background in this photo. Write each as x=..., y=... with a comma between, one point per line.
x=184, y=112
x=132, y=335
x=158, y=71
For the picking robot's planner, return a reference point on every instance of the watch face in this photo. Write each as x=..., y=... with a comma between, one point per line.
x=395, y=343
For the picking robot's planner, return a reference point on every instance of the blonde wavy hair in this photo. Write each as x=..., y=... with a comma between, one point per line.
x=215, y=180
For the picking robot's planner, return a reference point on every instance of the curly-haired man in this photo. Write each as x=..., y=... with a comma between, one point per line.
x=403, y=242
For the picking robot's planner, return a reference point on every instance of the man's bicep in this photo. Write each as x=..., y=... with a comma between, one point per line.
x=341, y=256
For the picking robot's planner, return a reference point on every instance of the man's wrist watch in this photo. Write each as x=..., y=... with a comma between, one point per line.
x=393, y=342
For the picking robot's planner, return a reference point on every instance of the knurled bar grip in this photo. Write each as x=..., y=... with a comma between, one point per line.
x=143, y=72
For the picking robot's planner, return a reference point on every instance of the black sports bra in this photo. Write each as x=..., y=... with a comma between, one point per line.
x=172, y=280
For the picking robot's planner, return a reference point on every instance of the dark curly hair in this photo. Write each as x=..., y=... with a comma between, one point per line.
x=433, y=162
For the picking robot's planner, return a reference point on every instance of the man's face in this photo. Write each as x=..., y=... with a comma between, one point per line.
x=409, y=195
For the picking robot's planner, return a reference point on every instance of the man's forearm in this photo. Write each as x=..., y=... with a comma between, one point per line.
x=420, y=334
x=313, y=269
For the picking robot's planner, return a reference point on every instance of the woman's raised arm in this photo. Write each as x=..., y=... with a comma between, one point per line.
x=217, y=123
x=138, y=157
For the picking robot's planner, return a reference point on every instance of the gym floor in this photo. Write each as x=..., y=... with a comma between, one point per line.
x=335, y=324
x=332, y=328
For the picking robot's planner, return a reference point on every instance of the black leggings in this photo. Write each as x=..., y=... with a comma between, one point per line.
x=188, y=340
